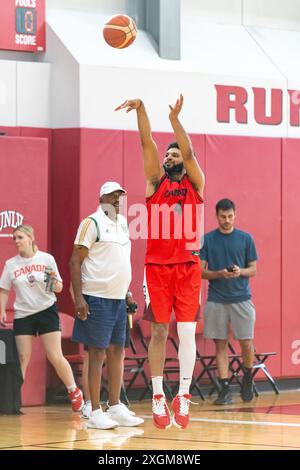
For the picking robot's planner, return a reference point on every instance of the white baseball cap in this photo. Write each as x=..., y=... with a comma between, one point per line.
x=110, y=187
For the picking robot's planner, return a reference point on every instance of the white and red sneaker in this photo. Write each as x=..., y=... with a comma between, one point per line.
x=76, y=399
x=180, y=406
x=160, y=412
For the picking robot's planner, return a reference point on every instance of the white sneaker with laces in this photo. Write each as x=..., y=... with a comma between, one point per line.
x=119, y=414
x=100, y=420
x=132, y=413
x=86, y=410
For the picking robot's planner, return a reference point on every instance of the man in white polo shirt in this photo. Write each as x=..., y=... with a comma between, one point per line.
x=101, y=274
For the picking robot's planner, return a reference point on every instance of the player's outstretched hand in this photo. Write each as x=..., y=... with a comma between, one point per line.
x=129, y=105
x=175, y=110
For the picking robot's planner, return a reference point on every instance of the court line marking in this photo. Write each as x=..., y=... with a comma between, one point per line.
x=57, y=445
x=235, y=421
x=186, y=441
x=256, y=423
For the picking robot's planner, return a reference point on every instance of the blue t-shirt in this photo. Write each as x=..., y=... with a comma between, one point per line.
x=222, y=250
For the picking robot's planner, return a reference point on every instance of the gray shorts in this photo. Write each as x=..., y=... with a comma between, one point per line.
x=219, y=317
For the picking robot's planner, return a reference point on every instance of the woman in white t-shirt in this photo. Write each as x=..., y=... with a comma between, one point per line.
x=34, y=276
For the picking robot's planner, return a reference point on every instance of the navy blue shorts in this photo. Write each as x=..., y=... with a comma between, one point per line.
x=105, y=325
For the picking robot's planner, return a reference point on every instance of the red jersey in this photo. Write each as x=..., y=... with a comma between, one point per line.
x=173, y=223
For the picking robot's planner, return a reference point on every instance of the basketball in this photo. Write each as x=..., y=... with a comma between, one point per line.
x=120, y=31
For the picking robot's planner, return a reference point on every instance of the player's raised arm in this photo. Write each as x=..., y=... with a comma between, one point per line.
x=190, y=162
x=152, y=167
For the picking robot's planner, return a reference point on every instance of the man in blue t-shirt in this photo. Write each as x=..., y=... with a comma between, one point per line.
x=228, y=260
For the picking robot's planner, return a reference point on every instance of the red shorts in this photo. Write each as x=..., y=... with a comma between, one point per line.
x=172, y=286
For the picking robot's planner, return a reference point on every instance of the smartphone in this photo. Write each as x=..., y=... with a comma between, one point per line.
x=230, y=268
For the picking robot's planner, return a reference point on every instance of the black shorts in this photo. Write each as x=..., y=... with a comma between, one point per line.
x=127, y=339
x=40, y=323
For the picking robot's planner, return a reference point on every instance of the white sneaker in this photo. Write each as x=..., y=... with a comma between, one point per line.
x=132, y=413
x=100, y=420
x=86, y=410
x=119, y=414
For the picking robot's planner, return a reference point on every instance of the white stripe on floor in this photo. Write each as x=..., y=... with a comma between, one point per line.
x=233, y=421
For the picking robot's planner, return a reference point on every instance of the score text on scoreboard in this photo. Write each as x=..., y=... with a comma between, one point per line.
x=23, y=25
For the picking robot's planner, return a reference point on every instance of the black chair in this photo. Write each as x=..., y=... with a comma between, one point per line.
x=235, y=363
x=207, y=363
x=133, y=369
x=236, y=367
x=173, y=338
x=104, y=388
x=171, y=367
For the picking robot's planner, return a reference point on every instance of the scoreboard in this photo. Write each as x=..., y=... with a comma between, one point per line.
x=22, y=25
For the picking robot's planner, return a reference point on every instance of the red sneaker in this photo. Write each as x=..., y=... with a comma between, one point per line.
x=76, y=399
x=180, y=406
x=160, y=412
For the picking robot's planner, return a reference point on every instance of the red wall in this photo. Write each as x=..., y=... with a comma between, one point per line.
x=40, y=133
x=65, y=190
x=24, y=189
x=248, y=171
x=290, y=257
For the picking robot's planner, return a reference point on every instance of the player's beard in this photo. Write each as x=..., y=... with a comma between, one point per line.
x=175, y=169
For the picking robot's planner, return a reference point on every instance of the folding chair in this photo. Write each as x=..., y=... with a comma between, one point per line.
x=236, y=366
x=134, y=367
x=173, y=338
x=171, y=366
x=207, y=364
x=104, y=388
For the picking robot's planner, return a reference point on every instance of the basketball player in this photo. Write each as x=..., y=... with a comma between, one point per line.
x=172, y=273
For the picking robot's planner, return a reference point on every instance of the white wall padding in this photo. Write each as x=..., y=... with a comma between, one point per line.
x=8, y=96
x=33, y=92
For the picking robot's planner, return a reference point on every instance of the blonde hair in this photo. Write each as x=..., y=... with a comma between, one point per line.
x=28, y=230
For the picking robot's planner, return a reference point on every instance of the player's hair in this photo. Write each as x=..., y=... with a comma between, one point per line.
x=173, y=145
x=225, y=205
x=28, y=230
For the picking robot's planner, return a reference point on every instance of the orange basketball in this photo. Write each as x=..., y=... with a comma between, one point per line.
x=120, y=31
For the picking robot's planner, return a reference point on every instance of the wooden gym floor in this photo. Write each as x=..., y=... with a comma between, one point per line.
x=269, y=422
